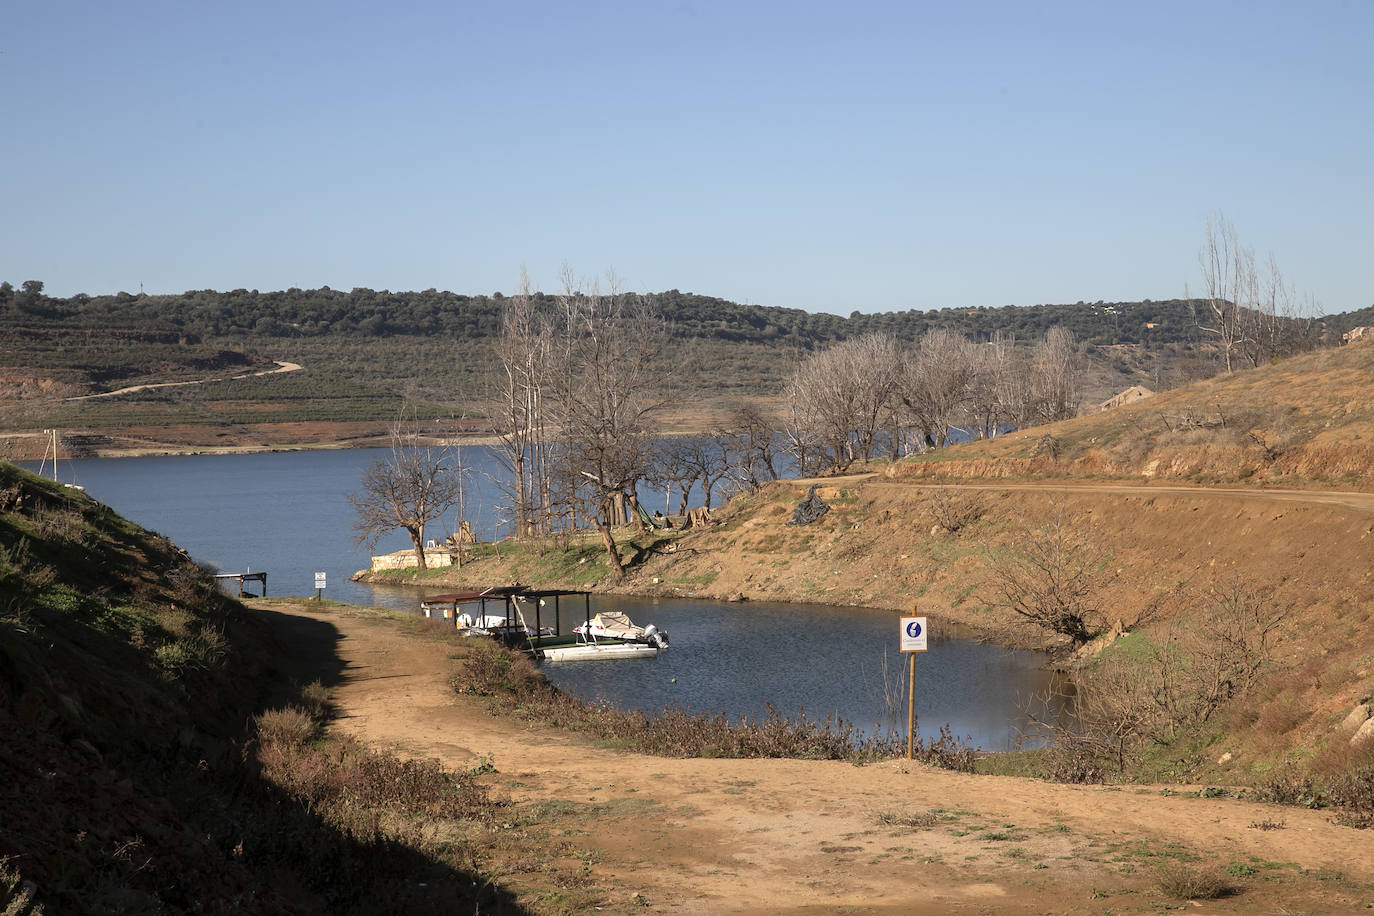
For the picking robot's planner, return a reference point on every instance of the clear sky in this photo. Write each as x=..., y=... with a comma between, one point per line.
x=827, y=156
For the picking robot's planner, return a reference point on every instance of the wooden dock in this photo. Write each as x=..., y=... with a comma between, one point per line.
x=242, y=577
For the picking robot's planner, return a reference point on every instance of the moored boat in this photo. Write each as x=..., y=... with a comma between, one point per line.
x=610, y=634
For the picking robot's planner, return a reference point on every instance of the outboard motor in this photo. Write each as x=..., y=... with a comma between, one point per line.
x=654, y=637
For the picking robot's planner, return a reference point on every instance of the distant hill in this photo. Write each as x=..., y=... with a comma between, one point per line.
x=365, y=350
x=371, y=313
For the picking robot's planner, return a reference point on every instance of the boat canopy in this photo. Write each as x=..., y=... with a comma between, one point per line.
x=615, y=624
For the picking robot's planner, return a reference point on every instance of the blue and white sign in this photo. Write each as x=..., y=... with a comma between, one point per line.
x=913, y=634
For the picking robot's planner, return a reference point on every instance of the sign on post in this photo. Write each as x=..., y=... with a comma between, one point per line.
x=319, y=584
x=913, y=634
x=913, y=641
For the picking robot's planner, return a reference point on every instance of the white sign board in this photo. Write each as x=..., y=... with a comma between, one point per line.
x=319, y=580
x=913, y=634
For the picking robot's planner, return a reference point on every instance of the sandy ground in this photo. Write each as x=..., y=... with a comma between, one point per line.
x=769, y=836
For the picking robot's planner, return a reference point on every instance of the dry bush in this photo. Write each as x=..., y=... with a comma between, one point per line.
x=315, y=698
x=954, y=512
x=61, y=525
x=1182, y=881
x=1055, y=578
x=291, y=725
x=1131, y=699
x=16, y=894
x=1293, y=789
x=372, y=796
x=1354, y=793
x=923, y=820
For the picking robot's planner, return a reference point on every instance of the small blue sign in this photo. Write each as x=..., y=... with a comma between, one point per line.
x=913, y=633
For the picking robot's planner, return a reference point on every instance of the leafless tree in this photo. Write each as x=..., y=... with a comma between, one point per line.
x=799, y=430
x=825, y=399
x=518, y=409
x=1055, y=379
x=611, y=384
x=1055, y=578
x=691, y=460
x=748, y=442
x=406, y=490
x=935, y=383
x=1217, y=653
x=1227, y=275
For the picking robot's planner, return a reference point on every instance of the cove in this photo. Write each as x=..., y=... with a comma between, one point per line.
x=288, y=513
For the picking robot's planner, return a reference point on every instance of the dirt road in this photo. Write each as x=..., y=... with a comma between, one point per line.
x=281, y=367
x=769, y=836
x=1349, y=498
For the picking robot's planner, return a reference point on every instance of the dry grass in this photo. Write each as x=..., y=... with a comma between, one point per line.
x=1183, y=881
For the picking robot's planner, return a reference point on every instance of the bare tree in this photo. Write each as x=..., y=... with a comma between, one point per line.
x=935, y=384
x=406, y=490
x=611, y=385
x=749, y=444
x=1216, y=652
x=1227, y=270
x=1055, y=386
x=799, y=429
x=518, y=410
x=690, y=460
x=1054, y=578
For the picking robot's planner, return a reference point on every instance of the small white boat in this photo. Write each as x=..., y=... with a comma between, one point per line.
x=608, y=635
x=599, y=650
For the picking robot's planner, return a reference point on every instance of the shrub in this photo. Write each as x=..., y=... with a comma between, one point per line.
x=291, y=726
x=1354, y=793
x=1182, y=881
x=1298, y=791
x=16, y=894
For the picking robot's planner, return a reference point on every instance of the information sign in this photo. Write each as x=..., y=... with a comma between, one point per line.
x=913, y=634
x=319, y=580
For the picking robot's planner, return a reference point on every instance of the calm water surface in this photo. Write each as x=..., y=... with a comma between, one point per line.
x=288, y=513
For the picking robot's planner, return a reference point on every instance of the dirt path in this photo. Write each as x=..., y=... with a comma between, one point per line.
x=281, y=367
x=1349, y=498
x=767, y=836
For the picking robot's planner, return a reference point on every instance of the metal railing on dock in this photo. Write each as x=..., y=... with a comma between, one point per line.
x=242, y=577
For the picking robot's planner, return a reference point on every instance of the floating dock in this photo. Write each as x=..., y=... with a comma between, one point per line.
x=242, y=577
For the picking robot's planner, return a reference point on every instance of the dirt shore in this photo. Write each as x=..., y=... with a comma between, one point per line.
x=596, y=828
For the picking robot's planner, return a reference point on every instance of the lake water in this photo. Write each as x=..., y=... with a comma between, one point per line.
x=288, y=513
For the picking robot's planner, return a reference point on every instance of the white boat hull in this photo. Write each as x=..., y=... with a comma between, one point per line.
x=590, y=652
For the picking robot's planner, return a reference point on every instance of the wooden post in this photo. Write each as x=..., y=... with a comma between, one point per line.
x=911, y=707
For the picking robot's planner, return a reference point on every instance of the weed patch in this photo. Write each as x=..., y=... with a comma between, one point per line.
x=1182, y=881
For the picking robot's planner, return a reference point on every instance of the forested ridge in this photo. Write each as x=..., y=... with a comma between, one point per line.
x=372, y=313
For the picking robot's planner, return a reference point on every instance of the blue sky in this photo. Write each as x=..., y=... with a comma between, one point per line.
x=829, y=156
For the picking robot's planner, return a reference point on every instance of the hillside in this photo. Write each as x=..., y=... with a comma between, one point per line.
x=1304, y=421
x=364, y=351
x=130, y=782
x=1276, y=566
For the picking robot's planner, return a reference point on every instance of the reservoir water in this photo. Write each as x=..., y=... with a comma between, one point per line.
x=288, y=513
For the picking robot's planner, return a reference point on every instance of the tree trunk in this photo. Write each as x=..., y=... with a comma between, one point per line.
x=417, y=538
x=612, y=555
